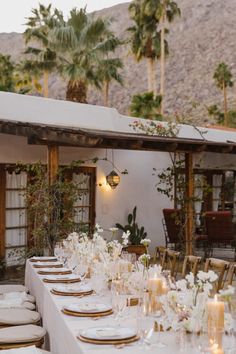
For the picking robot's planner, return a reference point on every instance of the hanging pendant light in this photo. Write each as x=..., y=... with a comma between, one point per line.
x=113, y=179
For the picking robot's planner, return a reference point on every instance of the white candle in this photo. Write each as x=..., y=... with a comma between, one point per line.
x=155, y=285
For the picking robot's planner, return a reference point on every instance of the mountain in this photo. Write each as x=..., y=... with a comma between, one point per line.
x=199, y=40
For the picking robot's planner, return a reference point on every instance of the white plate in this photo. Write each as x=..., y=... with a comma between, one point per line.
x=69, y=289
x=61, y=277
x=48, y=264
x=88, y=307
x=108, y=333
x=54, y=270
x=42, y=258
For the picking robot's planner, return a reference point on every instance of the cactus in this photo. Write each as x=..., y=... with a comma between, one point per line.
x=136, y=234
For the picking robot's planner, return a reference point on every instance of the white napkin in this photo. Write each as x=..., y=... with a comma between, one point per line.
x=107, y=332
x=26, y=350
x=71, y=289
x=54, y=270
x=60, y=277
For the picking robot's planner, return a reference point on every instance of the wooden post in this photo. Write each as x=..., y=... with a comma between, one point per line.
x=189, y=227
x=2, y=211
x=53, y=162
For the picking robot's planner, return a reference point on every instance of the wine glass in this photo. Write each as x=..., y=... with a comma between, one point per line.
x=119, y=302
x=157, y=312
x=145, y=321
x=82, y=269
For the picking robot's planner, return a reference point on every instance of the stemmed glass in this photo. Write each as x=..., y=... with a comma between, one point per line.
x=119, y=299
x=157, y=312
x=145, y=321
x=82, y=269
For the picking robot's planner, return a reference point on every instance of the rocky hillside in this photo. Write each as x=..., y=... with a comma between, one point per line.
x=204, y=36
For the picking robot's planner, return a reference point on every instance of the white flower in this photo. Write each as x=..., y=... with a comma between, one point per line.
x=181, y=285
x=113, y=229
x=98, y=228
x=146, y=242
x=190, y=279
x=144, y=258
x=125, y=238
x=227, y=292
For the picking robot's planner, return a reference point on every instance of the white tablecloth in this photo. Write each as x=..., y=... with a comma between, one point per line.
x=62, y=329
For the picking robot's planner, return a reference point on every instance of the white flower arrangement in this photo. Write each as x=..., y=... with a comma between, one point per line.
x=185, y=306
x=144, y=259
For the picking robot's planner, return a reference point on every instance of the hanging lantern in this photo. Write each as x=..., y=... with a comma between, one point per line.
x=113, y=179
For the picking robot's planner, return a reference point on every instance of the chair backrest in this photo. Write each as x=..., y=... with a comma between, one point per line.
x=231, y=274
x=219, y=226
x=174, y=228
x=170, y=261
x=191, y=264
x=160, y=254
x=220, y=267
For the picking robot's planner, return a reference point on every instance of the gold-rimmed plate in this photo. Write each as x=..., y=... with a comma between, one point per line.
x=110, y=341
x=51, y=271
x=43, y=259
x=79, y=290
x=108, y=335
x=48, y=265
x=87, y=309
x=61, y=279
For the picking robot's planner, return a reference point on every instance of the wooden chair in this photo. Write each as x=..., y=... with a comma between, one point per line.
x=170, y=261
x=219, y=230
x=159, y=255
x=191, y=264
x=220, y=267
x=231, y=274
x=173, y=227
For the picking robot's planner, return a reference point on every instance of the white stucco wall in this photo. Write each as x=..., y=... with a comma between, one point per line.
x=136, y=188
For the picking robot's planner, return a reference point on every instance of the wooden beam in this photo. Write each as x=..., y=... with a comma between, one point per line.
x=2, y=211
x=189, y=228
x=52, y=162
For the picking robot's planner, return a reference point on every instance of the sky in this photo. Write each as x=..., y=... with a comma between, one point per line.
x=13, y=12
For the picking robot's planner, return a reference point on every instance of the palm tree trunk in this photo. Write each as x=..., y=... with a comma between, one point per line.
x=149, y=74
x=162, y=83
x=77, y=91
x=106, y=93
x=225, y=105
x=153, y=73
x=45, y=83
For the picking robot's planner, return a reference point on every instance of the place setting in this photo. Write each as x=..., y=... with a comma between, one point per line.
x=80, y=290
x=109, y=335
x=47, y=265
x=88, y=309
x=55, y=271
x=43, y=259
x=61, y=278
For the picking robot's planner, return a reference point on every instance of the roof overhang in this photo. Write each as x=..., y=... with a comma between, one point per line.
x=41, y=134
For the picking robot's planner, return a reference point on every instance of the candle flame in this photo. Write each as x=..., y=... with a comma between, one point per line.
x=215, y=298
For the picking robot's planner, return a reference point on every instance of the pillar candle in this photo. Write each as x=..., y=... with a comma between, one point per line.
x=155, y=285
x=215, y=314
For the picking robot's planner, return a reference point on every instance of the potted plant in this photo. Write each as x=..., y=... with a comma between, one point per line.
x=137, y=234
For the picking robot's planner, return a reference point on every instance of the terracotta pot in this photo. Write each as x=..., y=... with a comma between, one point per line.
x=137, y=249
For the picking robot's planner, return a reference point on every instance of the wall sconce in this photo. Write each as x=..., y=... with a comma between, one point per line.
x=113, y=179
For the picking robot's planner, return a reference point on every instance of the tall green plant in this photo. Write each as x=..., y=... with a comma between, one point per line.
x=137, y=234
x=42, y=55
x=223, y=80
x=146, y=105
x=83, y=43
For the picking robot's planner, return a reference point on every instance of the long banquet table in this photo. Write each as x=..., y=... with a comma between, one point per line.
x=62, y=329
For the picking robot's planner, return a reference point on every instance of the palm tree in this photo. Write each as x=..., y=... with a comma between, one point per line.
x=13, y=78
x=108, y=71
x=167, y=10
x=39, y=25
x=83, y=42
x=223, y=79
x=145, y=38
x=6, y=73
x=146, y=105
